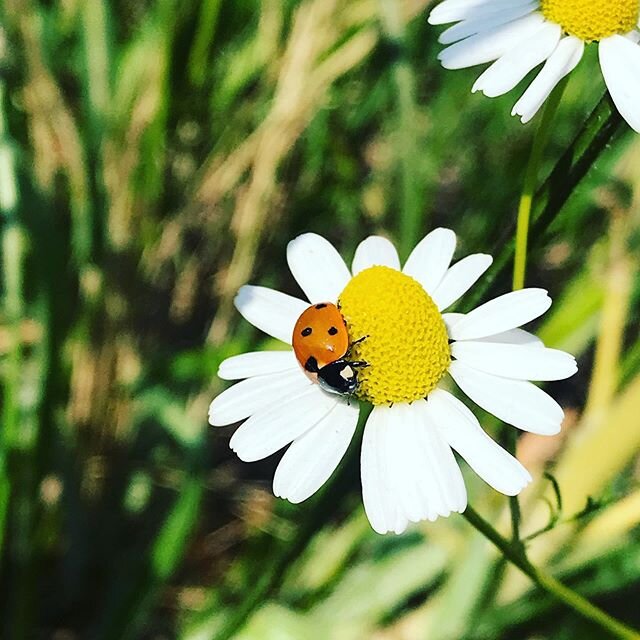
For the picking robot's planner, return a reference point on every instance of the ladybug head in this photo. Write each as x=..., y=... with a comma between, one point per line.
x=339, y=377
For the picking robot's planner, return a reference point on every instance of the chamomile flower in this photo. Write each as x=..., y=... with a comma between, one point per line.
x=396, y=325
x=518, y=35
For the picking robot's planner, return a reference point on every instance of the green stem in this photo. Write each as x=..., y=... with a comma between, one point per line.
x=514, y=503
x=97, y=59
x=19, y=431
x=573, y=600
x=522, y=237
x=207, y=21
x=530, y=183
x=12, y=243
x=595, y=136
x=412, y=201
x=165, y=554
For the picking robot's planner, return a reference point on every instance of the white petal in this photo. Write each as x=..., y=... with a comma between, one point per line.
x=479, y=23
x=514, y=336
x=266, y=432
x=504, y=74
x=270, y=311
x=633, y=36
x=431, y=258
x=409, y=473
x=454, y=10
x=516, y=402
x=405, y=466
x=490, y=45
x=461, y=429
x=460, y=278
x=620, y=63
x=501, y=314
x=440, y=475
x=421, y=473
x=380, y=503
x=256, y=363
x=375, y=250
x=317, y=267
x=515, y=361
x=255, y=394
x=451, y=319
x=560, y=63
x=309, y=462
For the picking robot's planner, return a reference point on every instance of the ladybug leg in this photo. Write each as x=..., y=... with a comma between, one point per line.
x=354, y=343
x=359, y=340
x=359, y=364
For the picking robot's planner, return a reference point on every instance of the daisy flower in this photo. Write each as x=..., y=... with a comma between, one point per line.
x=408, y=469
x=518, y=35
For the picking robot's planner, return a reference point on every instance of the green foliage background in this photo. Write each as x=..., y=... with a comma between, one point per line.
x=156, y=155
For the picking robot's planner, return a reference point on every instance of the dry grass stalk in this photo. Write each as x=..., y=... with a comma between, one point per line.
x=305, y=77
x=54, y=134
x=122, y=149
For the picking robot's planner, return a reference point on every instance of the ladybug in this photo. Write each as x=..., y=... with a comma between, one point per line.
x=321, y=345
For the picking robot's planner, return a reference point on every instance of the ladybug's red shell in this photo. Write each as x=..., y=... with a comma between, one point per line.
x=320, y=333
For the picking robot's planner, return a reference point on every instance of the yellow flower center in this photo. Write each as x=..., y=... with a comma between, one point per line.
x=407, y=347
x=592, y=20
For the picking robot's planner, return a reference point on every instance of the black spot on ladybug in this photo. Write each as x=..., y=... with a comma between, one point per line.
x=311, y=364
x=322, y=305
x=333, y=331
x=306, y=331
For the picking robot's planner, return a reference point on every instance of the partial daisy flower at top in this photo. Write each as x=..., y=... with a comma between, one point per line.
x=518, y=35
x=378, y=334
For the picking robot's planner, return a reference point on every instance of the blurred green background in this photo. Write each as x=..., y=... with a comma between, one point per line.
x=156, y=155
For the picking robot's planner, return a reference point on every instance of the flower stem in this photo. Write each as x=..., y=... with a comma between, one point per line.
x=515, y=554
x=522, y=235
x=530, y=182
x=604, y=125
x=514, y=503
